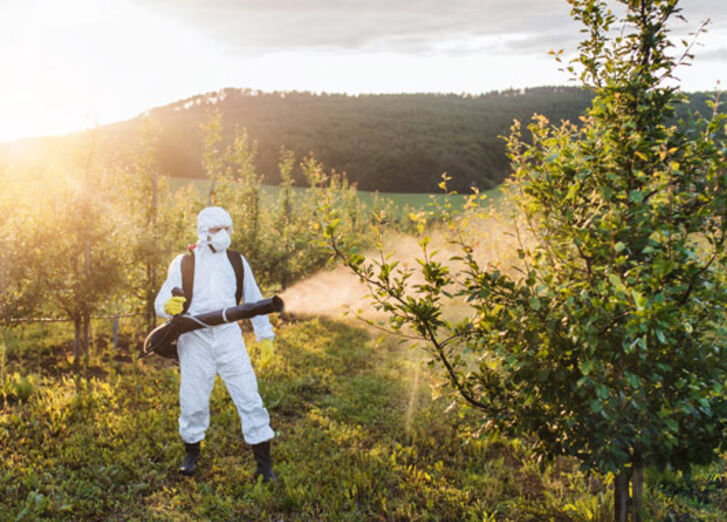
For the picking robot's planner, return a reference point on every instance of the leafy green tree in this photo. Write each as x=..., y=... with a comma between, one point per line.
x=154, y=223
x=275, y=234
x=288, y=245
x=610, y=346
x=19, y=296
x=212, y=154
x=244, y=196
x=141, y=204
x=71, y=248
x=284, y=223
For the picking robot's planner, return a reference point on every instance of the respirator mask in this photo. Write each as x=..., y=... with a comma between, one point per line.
x=219, y=241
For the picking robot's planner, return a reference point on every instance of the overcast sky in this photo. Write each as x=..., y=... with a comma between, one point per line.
x=70, y=64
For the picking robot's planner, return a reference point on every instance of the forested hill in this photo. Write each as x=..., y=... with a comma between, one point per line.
x=397, y=143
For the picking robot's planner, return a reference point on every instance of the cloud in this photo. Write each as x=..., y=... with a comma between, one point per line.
x=403, y=26
x=719, y=54
x=412, y=27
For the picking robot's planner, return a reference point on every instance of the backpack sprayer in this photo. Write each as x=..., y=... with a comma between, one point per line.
x=163, y=339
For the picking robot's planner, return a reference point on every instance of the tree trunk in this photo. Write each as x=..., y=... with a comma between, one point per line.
x=287, y=218
x=637, y=486
x=76, y=345
x=86, y=342
x=150, y=295
x=154, y=284
x=151, y=272
x=115, y=333
x=255, y=215
x=211, y=194
x=621, y=496
x=84, y=316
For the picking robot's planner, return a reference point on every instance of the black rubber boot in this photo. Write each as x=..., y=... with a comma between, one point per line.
x=189, y=466
x=264, y=462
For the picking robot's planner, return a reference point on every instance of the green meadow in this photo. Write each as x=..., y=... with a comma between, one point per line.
x=402, y=202
x=359, y=437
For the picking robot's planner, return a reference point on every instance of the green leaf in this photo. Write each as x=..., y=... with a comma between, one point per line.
x=586, y=367
x=616, y=282
x=602, y=391
x=636, y=196
x=660, y=335
x=552, y=156
x=596, y=405
x=633, y=380
x=672, y=425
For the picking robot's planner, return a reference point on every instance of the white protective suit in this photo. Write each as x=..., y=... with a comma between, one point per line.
x=219, y=350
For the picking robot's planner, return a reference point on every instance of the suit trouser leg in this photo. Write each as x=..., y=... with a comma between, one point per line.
x=239, y=377
x=196, y=382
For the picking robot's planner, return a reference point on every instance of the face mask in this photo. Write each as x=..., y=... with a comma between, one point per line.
x=220, y=241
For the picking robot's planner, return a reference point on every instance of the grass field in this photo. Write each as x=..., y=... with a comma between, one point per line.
x=358, y=438
x=403, y=202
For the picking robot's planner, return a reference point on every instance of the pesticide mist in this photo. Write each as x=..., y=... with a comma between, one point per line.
x=332, y=293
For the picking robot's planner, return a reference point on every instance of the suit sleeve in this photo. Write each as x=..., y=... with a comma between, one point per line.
x=250, y=294
x=174, y=279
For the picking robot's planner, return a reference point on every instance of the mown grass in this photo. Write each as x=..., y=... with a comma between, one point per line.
x=358, y=438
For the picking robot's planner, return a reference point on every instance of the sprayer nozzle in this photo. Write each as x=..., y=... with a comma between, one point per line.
x=278, y=304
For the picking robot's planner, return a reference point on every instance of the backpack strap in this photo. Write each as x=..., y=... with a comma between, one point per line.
x=188, y=279
x=236, y=262
x=188, y=275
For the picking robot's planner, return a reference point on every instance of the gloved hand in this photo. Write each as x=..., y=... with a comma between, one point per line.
x=267, y=352
x=175, y=305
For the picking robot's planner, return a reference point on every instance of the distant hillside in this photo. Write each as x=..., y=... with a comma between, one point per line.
x=395, y=143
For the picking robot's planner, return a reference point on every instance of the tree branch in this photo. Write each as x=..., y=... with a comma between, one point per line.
x=431, y=336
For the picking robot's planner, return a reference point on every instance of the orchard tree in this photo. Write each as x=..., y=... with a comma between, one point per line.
x=610, y=345
x=62, y=256
x=274, y=233
x=212, y=153
x=157, y=224
x=20, y=297
x=74, y=248
x=235, y=183
x=284, y=224
x=243, y=193
x=150, y=223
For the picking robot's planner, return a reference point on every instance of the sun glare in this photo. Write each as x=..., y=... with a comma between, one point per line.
x=72, y=65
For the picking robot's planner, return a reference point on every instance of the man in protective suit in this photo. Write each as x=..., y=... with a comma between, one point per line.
x=206, y=352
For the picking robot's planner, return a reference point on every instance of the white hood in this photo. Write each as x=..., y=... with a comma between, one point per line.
x=211, y=217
